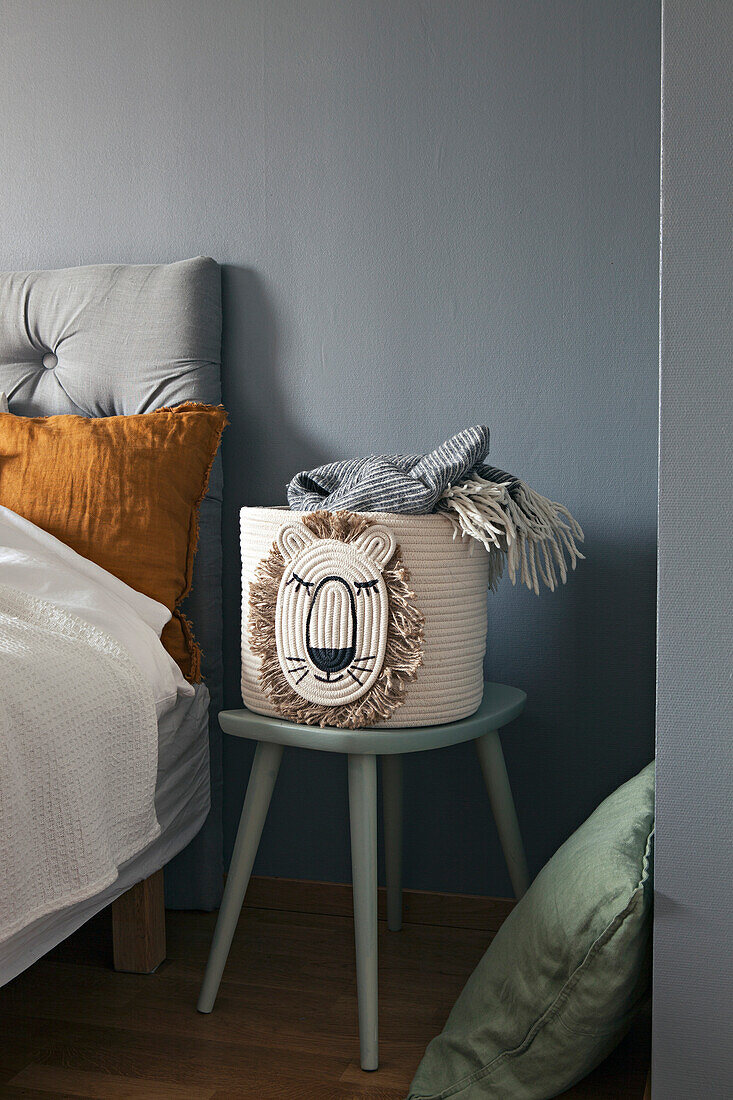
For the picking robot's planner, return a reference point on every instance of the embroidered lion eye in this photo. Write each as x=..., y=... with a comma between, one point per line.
x=300, y=583
x=365, y=586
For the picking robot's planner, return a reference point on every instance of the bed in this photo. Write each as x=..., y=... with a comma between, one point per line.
x=120, y=339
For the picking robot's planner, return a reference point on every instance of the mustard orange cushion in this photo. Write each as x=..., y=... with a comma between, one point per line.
x=123, y=491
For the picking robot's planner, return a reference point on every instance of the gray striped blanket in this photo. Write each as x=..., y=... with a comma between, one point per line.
x=517, y=526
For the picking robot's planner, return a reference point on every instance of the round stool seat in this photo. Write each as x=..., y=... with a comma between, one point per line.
x=500, y=704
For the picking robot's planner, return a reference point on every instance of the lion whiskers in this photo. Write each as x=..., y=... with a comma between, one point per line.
x=300, y=666
x=364, y=661
x=358, y=667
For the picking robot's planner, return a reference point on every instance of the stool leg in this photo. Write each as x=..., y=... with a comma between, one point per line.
x=254, y=811
x=392, y=806
x=363, y=818
x=502, y=804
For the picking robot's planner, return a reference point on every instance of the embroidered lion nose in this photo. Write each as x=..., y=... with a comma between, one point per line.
x=331, y=625
x=330, y=660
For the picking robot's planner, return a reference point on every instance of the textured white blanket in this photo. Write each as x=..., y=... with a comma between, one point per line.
x=78, y=759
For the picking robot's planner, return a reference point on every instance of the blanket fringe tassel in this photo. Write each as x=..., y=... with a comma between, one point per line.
x=527, y=531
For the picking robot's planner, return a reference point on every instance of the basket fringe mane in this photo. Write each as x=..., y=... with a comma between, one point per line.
x=402, y=658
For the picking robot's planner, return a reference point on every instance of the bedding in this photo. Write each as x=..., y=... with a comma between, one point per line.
x=78, y=741
x=110, y=340
x=34, y=562
x=83, y=682
x=182, y=802
x=124, y=492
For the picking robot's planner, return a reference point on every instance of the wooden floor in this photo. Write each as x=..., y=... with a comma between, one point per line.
x=284, y=1025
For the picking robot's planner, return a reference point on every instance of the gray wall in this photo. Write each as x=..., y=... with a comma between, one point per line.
x=693, y=926
x=430, y=215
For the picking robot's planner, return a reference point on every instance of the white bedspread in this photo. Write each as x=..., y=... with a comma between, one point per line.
x=78, y=758
x=35, y=562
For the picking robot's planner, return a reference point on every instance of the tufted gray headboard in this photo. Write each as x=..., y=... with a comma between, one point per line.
x=118, y=339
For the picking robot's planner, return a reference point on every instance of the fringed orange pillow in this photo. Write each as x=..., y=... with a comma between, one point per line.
x=123, y=491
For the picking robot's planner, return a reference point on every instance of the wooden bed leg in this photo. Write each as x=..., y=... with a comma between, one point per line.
x=138, y=927
x=648, y=1089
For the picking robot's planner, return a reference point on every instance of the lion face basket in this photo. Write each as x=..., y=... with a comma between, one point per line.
x=359, y=619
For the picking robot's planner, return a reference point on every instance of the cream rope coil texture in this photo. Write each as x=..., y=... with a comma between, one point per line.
x=332, y=613
x=431, y=667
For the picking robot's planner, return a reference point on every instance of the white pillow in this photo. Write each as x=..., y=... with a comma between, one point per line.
x=36, y=562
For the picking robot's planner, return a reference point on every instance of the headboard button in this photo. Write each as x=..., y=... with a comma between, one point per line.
x=49, y=360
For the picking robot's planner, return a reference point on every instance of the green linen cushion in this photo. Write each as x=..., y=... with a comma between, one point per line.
x=564, y=975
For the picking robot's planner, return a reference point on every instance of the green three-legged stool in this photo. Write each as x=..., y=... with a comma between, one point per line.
x=499, y=706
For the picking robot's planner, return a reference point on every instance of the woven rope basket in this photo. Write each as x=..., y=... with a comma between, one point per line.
x=387, y=627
